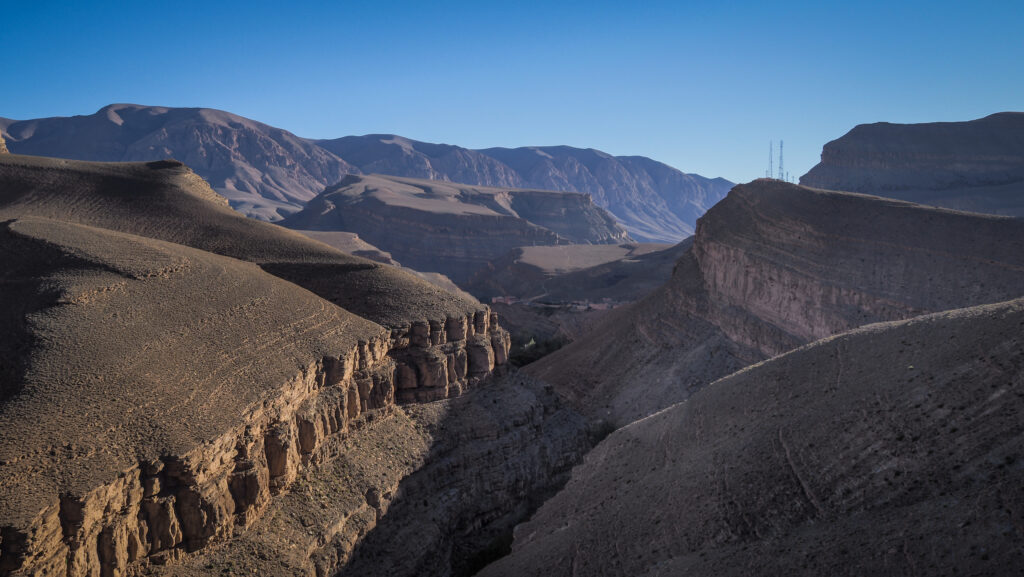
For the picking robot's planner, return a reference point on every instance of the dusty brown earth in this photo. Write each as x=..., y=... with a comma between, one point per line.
x=158, y=398
x=894, y=449
x=976, y=165
x=450, y=228
x=264, y=171
x=772, y=267
x=167, y=201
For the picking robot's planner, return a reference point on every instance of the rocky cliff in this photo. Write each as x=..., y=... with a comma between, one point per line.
x=453, y=229
x=976, y=165
x=264, y=172
x=772, y=267
x=268, y=173
x=3, y=145
x=227, y=381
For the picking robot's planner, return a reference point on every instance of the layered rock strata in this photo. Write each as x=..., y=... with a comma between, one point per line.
x=224, y=422
x=201, y=449
x=775, y=266
x=452, y=477
x=454, y=229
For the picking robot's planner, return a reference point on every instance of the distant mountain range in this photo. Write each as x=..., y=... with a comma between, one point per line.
x=976, y=165
x=269, y=173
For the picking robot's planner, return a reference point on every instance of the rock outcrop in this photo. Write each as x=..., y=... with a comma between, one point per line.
x=3, y=145
x=453, y=229
x=976, y=166
x=775, y=266
x=226, y=380
x=894, y=449
x=433, y=489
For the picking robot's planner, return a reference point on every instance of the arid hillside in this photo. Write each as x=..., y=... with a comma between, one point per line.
x=775, y=266
x=889, y=450
x=454, y=229
x=268, y=173
x=976, y=165
x=264, y=171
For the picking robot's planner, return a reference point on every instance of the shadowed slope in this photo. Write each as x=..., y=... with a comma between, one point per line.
x=167, y=201
x=890, y=450
x=976, y=165
x=774, y=266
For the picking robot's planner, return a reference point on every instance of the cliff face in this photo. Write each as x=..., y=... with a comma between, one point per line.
x=888, y=450
x=453, y=229
x=246, y=377
x=264, y=171
x=976, y=165
x=3, y=145
x=775, y=266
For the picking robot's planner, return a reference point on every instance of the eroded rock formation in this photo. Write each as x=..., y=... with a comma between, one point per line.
x=199, y=386
x=237, y=402
x=775, y=266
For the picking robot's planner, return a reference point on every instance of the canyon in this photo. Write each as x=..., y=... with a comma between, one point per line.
x=817, y=382
x=775, y=266
x=234, y=381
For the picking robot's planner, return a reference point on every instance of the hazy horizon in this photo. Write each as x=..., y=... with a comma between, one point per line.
x=701, y=88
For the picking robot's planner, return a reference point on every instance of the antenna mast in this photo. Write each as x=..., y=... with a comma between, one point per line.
x=771, y=154
x=782, y=173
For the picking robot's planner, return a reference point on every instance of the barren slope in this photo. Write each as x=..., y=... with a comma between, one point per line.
x=891, y=450
x=976, y=165
x=128, y=352
x=774, y=266
x=450, y=228
x=653, y=201
x=167, y=201
x=264, y=171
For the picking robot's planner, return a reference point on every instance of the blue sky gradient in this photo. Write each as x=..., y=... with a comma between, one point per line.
x=702, y=86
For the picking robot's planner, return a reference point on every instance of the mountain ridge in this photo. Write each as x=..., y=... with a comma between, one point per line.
x=268, y=172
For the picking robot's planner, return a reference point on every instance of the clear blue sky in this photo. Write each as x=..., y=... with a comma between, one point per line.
x=702, y=86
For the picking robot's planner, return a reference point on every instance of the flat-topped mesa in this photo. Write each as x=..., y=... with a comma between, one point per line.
x=454, y=229
x=976, y=165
